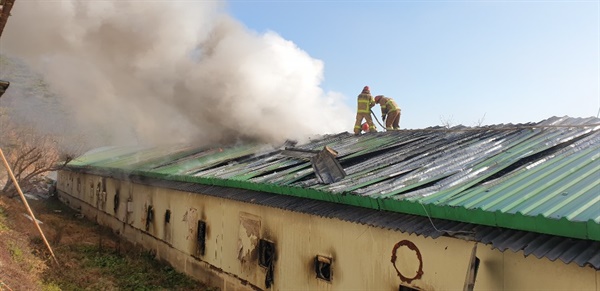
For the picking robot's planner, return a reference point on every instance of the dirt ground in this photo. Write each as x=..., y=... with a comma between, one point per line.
x=88, y=257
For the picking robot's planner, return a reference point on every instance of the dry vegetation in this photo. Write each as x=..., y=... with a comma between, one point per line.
x=29, y=154
x=89, y=256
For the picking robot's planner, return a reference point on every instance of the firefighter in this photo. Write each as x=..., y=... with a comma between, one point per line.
x=363, y=111
x=390, y=112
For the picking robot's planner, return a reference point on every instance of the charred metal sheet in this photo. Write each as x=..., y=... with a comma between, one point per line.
x=327, y=168
x=324, y=163
x=297, y=154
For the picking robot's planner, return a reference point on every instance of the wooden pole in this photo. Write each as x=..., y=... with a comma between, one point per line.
x=12, y=176
x=5, y=13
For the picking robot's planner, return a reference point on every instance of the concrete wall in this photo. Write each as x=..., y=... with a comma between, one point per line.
x=361, y=256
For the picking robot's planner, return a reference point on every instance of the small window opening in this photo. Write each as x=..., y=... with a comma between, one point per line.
x=149, y=216
x=266, y=257
x=201, y=237
x=323, y=267
x=167, y=216
x=116, y=201
x=266, y=253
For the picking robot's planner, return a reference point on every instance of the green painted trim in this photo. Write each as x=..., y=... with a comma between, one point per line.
x=593, y=230
x=540, y=224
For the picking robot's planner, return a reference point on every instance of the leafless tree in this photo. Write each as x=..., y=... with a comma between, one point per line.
x=481, y=120
x=30, y=154
x=446, y=121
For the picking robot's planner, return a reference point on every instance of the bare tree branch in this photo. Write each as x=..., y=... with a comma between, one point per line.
x=30, y=153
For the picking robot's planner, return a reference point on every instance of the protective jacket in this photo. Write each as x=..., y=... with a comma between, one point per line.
x=363, y=111
x=388, y=105
x=365, y=103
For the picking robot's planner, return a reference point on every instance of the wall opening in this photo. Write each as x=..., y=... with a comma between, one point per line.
x=266, y=253
x=168, y=216
x=323, y=268
x=201, y=237
x=149, y=216
x=266, y=258
x=116, y=201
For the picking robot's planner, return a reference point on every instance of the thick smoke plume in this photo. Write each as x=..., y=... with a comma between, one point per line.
x=150, y=72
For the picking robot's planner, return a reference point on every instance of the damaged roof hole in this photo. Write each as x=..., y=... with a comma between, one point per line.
x=530, y=160
x=349, y=162
x=426, y=185
x=201, y=153
x=278, y=170
x=309, y=176
x=257, y=157
x=211, y=167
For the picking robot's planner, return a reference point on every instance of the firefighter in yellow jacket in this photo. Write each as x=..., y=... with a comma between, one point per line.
x=390, y=112
x=365, y=103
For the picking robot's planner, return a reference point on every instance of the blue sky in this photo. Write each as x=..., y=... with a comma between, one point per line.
x=458, y=62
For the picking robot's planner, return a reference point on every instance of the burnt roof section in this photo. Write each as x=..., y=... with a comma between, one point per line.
x=540, y=177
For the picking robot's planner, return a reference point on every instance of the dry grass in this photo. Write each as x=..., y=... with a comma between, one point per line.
x=89, y=256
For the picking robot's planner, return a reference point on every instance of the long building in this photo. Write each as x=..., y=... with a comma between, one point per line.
x=501, y=207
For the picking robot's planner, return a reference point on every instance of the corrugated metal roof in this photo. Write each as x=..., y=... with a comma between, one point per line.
x=542, y=177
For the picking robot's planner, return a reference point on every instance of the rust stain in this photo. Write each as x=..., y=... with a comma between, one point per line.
x=410, y=245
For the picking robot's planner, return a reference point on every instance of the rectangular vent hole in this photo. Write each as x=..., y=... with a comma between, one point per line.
x=201, y=237
x=323, y=267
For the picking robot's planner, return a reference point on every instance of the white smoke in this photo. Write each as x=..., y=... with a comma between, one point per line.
x=172, y=71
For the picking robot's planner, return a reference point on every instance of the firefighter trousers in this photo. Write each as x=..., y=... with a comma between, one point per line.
x=368, y=118
x=392, y=120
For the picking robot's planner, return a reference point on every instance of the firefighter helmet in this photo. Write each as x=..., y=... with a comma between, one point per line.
x=377, y=98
